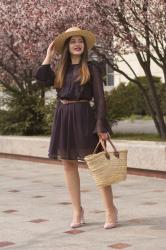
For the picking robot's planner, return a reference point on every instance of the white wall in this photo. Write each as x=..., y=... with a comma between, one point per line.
x=132, y=60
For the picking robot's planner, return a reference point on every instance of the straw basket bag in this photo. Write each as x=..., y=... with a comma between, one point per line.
x=106, y=167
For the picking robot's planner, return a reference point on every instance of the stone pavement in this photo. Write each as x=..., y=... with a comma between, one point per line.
x=35, y=211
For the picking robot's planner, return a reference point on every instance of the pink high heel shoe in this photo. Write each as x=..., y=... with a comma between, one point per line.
x=82, y=221
x=112, y=224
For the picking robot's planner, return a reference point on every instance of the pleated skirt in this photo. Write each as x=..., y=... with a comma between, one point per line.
x=72, y=136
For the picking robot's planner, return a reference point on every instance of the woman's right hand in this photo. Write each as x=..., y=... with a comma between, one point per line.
x=50, y=54
x=51, y=50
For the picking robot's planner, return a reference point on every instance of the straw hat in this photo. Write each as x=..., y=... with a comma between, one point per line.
x=74, y=31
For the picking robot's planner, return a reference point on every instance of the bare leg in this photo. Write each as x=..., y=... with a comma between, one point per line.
x=109, y=204
x=73, y=185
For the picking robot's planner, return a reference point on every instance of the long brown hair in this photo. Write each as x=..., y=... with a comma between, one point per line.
x=83, y=74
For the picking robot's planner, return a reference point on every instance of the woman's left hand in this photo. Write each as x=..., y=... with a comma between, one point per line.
x=103, y=136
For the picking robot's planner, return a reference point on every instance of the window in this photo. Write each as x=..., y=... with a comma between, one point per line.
x=109, y=76
x=106, y=71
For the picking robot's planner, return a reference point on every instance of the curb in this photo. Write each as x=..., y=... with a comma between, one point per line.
x=130, y=171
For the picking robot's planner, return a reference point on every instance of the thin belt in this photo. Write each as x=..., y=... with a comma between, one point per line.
x=72, y=101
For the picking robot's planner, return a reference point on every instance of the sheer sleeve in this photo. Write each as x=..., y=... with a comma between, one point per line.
x=102, y=124
x=45, y=75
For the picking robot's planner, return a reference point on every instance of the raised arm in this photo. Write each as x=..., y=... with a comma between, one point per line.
x=45, y=75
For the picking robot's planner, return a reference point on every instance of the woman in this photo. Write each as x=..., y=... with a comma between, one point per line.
x=76, y=126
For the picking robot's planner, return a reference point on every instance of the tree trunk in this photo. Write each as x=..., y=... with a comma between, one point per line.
x=164, y=72
x=159, y=117
x=161, y=126
x=151, y=109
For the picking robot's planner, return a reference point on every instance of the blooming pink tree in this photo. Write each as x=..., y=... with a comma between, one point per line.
x=27, y=28
x=23, y=40
x=121, y=27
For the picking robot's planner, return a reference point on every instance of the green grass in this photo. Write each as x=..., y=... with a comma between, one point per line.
x=141, y=137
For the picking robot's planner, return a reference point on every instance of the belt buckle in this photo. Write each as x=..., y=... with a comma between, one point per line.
x=65, y=101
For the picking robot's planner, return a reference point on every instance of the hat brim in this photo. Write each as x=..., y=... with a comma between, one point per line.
x=60, y=39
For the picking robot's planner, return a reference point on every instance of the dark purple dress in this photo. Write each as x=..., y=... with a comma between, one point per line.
x=75, y=125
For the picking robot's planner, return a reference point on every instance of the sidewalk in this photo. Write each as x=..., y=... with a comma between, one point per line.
x=137, y=126
x=36, y=211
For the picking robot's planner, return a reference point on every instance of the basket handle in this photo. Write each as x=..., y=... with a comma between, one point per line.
x=116, y=153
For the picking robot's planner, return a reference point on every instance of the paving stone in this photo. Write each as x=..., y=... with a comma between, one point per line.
x=36, y=211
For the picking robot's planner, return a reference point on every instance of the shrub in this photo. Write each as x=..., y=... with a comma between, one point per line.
x=127, y=99
x=25, y=115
